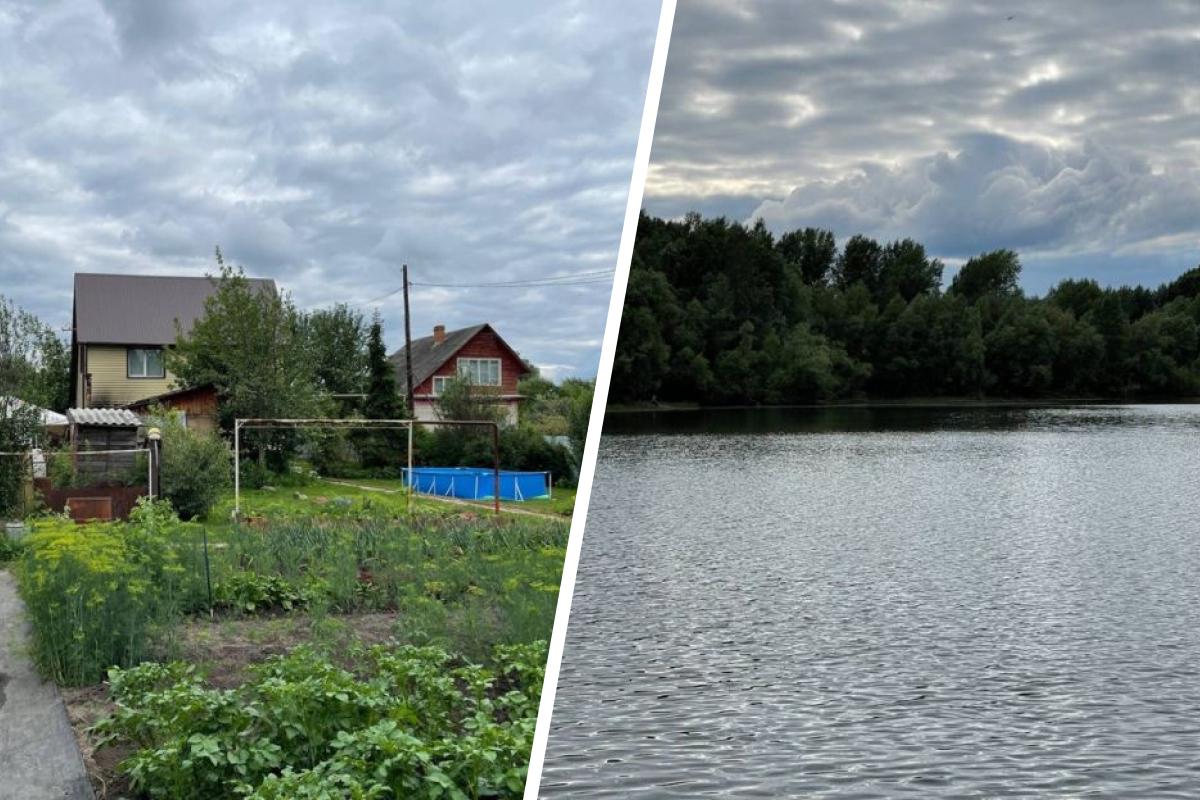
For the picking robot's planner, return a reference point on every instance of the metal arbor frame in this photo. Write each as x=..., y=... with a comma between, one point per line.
x=357, y=424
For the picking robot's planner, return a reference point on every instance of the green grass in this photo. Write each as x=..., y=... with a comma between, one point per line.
x=561, y=503
x=318, y=498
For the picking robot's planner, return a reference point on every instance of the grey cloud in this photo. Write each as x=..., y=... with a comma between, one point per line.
x=1069, y=128
x=324, y=145
x=996, y=191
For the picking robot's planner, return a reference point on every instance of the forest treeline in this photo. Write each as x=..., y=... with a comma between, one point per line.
x=717, y=312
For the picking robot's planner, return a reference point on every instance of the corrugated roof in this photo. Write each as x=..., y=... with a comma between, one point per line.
x=428, y=355
x=108, y=417
x=140, y=309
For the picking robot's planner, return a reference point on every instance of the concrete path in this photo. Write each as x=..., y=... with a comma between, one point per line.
x=39, y=758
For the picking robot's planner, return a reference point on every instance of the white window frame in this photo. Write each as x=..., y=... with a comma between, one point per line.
x=465, y=365
x=145, y=375
x=439, y=384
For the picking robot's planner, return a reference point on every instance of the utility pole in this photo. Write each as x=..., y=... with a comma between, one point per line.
x=408, y=347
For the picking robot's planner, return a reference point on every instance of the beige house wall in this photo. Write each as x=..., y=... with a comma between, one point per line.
x=426, y=409
x=111, y=386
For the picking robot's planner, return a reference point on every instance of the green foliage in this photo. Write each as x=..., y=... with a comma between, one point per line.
x=66, y=470
x=810, y=252
x=253, y=345
x=10, y=549
x=465, y=584
x=383, y=397
x=95, y=594
x=381, y=448
x=462, y=400
x=871, y=321
x=336, y=338
x=249, y=593
x=412, y=722
x=32, y=373
x=196, y=467
x=996, y=272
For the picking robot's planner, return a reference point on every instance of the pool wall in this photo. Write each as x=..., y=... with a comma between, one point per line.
x=475, y=483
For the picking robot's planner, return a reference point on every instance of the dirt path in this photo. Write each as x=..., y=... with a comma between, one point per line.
x=452, y=500
x=39, y=758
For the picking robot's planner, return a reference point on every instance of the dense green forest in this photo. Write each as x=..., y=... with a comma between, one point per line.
x=720, y=313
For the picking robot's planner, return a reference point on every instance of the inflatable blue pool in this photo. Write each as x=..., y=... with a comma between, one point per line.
x=475, y=483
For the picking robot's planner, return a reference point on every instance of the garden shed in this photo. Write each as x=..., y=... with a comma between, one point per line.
x=103, y=428
x=98, y=429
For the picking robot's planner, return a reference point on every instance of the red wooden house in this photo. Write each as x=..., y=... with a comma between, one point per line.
x=477, y=353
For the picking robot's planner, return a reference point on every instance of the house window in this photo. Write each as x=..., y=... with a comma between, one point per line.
x=480, y=371
x=439, y=385
x=145, y=362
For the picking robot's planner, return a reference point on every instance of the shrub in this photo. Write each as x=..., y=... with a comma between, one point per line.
x=195, y=468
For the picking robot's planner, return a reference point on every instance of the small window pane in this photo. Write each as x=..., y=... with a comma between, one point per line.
x=154, y=363
x=145, y=363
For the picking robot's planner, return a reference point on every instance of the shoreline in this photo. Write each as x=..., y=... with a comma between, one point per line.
x=912, y=402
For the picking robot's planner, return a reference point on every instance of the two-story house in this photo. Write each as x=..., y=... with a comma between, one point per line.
x=121, y=327
x=476, y=353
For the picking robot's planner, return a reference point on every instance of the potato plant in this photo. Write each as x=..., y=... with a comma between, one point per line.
x=413, y=722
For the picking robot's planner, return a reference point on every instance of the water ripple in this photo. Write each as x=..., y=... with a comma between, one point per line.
x=979, y=604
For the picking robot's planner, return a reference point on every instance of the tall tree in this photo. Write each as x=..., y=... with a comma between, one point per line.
x=997, y=272
x=860, y=262
x=383, y=398
x=337, y=340
x=905, y=270
x=811, y=251
x=383, y=401
x=251, y=344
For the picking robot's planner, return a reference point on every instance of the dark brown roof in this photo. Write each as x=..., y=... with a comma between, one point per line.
x=428, y=356
x=140, y=309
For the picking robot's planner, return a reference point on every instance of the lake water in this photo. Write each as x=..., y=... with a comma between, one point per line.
x=887, y=603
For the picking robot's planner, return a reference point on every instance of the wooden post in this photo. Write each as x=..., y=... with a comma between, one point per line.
x=408, y=353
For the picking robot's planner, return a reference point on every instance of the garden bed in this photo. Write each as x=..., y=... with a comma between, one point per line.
x=348, y=592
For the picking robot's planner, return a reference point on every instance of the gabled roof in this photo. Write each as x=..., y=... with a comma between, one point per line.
x=429, y=355
x=140, y=309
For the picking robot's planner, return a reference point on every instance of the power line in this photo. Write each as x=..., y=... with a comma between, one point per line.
x=585, y=278
x=575, y=279
x=384, y=296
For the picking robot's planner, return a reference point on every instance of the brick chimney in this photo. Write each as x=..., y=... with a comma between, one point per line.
x=439, y=334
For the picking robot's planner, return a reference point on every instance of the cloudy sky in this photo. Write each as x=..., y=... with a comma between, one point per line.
x=1069, y=131
x=324, y=144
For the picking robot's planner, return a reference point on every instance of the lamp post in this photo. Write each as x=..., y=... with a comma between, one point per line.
x=154, y=435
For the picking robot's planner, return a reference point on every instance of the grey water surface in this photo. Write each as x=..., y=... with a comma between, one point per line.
x=872, y=603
